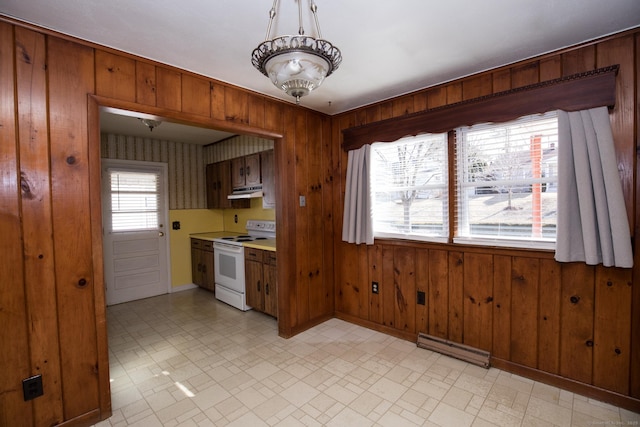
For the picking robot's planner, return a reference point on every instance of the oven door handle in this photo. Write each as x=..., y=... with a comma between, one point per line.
x=228, y=248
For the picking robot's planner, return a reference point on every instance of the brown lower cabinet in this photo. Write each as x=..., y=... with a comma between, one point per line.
x=260, y=277
x=202, y=272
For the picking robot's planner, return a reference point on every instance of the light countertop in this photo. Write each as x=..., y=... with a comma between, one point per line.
x=265, y=245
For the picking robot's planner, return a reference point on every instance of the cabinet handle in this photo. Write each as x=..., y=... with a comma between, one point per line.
x=248, y=170
x=199, y=267
x=258, y=285
x=241, y=171
x=204, y=268
x=266, y=288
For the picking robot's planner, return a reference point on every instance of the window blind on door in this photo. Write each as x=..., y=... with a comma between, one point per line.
x=134, y=200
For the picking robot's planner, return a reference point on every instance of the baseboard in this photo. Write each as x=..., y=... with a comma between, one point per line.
x=597, y=393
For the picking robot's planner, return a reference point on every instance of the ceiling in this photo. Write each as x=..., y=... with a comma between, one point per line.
x=389, y=47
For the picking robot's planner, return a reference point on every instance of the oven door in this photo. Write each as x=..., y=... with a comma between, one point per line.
x=229, y=266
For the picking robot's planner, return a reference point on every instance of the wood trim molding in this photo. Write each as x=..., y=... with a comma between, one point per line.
x=572, y=93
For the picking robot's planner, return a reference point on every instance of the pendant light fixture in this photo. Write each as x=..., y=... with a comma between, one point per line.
x=296, y=64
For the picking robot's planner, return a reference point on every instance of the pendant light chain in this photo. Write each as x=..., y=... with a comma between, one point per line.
x=272, y=14
x=314, y=10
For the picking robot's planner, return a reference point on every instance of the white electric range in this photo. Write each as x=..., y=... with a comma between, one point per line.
x=229, y=262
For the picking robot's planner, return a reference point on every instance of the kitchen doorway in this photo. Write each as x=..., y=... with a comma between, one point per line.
x=135, y=242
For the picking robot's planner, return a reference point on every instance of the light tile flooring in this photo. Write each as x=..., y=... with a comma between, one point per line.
x=185, y=359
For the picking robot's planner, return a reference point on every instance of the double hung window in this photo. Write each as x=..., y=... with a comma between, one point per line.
x=504, y=190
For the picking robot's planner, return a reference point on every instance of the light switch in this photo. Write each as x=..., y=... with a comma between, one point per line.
x=303, y=201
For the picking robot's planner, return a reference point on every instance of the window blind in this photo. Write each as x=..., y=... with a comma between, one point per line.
x=507, y=176
x=134, y=200
x=409, y=187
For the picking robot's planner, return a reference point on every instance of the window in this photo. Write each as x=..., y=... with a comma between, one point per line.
x=506, y=184
x=507, y=179
x=134, y=200
x=409, y=187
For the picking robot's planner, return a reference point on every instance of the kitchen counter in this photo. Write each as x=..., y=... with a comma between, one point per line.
x=213, y=235
x=265, y=245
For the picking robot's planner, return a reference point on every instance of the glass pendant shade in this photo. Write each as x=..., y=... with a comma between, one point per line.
x=296, y=64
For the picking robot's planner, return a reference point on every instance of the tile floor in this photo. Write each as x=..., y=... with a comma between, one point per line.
x=186, y=359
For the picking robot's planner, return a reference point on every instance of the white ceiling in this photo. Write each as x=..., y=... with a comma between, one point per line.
x=388, y=47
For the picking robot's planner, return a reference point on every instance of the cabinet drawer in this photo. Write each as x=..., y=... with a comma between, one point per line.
x=196, y=243
x=269, y=257
x=253, y=254
x=207, y=245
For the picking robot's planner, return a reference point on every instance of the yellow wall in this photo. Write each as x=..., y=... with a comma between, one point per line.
x=255, y=212
x=191, y=221
x=201, y=221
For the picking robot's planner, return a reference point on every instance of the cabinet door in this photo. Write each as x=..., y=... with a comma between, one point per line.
x=237, y=172
x=270, y=290
x=268, y=180
x=252, y=172
x=196, y=262
x=207, y=260
x=254, y=284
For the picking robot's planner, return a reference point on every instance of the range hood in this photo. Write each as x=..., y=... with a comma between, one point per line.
x=246, y=193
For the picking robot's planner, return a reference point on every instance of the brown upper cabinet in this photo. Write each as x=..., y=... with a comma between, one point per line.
x=268, y=179
x=218, y=176
x=246, y=171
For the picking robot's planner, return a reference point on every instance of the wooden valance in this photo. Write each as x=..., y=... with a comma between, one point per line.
x=573, y=93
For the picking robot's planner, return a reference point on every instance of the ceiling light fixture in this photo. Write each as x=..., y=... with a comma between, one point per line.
x=296, y=64
x=151, y=123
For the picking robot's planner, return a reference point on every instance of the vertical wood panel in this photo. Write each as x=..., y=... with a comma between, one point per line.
x=579, y=60
x=196, y=95
x=612, y=331
x=36, y=222
x=70, y=79
x=611, y=52
x=168, y=89
x=402, y=106
x=456, y=296
x=347, y=288
x=376, y=304
x=436, y=97
x=549, y=316
x=438, y=296
x=501, y=307
x=145, y=83
x=256, y=111
x=478, y=300
x=524, y=311
x=476, y=87
x=422, y=285
x=634, y=380
x=405, y=289
x=387, y=287
x=501, y=80
x=576, y=322
x=524, y=75
x=115, y=76
x=318, y=304
x=217, y=101
x=235, y=105
x=550, y=68
x=14, y=366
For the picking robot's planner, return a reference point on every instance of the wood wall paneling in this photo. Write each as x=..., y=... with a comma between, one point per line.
x=612, y=329
x=456, y=296
x=422, y=286
x=524, y=310
x=404, y=289
x=196, y=93
x=168, y=89
x=477, y=301
x=501, y=345
x=37, y=228
x=549, y=316
x=14, y=366
x=71, y=77
x=115, y=76
x=145, y=83
x=438, y=293
x=634, y=378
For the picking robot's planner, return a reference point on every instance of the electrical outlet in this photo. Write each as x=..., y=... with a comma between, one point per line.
x=32, y=387
x=175, y=225
x=374, y=287
x=422, y=300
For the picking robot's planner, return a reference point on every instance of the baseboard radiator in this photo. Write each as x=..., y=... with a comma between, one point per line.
x=458, y=351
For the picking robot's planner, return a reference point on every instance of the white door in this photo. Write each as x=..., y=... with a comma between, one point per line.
x=136, y=260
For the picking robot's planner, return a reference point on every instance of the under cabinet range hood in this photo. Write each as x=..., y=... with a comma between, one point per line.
x=246, y=193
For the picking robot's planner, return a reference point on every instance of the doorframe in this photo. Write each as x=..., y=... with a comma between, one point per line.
x=165, y=202
x=286, y=271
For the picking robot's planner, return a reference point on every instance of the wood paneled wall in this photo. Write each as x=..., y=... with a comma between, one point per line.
x=572, y=325
x=52, y=308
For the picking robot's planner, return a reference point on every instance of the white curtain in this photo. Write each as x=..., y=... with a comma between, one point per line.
x=357, y=221
x=592, y=220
